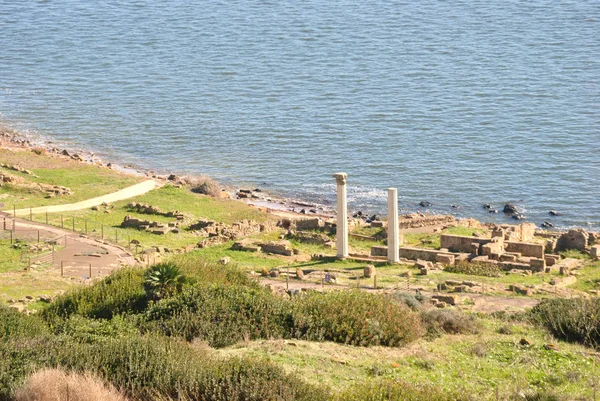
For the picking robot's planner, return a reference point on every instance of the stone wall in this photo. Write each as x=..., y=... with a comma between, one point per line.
x=530, y=250
x=573, y=239
x=522, y=233
x=461, y=243
x=419, y=253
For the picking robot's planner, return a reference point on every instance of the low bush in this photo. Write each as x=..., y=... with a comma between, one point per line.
x=448, y=321
x=149, y=368
x=475, y=269
x=120, y=293
x=85, y=330
x=413, y=301
x=199, y=271
x=355, y=318
x=14, y=324
x=220, y=315
x=575, y=320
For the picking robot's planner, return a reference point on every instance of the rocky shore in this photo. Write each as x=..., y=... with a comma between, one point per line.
x=258, y=197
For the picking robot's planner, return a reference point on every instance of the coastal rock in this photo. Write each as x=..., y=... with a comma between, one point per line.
x=510, y=208
x=425, y=204
x=554, y=213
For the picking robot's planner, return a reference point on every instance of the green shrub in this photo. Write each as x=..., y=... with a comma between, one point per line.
x=575, y=320
x=120, y=293
x=413, y=301
x=448, y=321
x=475, y=269
x=14, y=324
x=87, y=330
x=199, y=271
x=388, y=390
x=354, y=317
x=220, y=315
x=152, y=367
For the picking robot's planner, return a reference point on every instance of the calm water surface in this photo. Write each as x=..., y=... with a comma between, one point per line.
x=462, y=102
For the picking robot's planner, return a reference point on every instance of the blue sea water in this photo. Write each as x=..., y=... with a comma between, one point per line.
x=461, y=102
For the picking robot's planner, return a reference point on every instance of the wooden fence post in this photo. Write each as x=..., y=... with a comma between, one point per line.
x=62, y=265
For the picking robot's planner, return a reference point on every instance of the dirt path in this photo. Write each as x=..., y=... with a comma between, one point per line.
x=80, y=253
x=125, y=193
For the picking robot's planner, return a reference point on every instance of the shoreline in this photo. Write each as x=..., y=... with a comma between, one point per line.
x=256, y=197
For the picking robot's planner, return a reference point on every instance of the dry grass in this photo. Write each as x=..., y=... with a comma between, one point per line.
x=57, y=385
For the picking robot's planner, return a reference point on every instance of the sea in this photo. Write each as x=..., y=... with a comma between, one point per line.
x=456, y=103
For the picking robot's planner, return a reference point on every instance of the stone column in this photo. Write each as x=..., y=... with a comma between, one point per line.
x=393, y=237
x=342, y=216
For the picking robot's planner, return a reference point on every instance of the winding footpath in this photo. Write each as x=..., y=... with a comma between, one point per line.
x=125, y=193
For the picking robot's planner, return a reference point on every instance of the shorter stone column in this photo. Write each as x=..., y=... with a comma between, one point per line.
x=342, y=216
x=393, y=237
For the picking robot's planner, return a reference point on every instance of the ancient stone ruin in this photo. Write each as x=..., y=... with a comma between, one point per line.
x=275, y=247
x=150, y=226
x=218, y=233
x=144, y=208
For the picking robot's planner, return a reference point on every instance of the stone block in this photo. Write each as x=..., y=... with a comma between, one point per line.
x=310, y=224
x=380, y=251
x=495, y=247
x=537, y=265
x=521, y=290
x=507, y=257
x=378, y=224
x=551, y=259
x=445, y=259
x=446, y=298
x=278, y=248
x=369, y=271
x=595, y=252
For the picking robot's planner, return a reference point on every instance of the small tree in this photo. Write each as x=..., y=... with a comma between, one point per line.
x=162, y=280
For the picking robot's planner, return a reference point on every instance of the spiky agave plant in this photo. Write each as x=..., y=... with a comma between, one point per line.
x=162, y=280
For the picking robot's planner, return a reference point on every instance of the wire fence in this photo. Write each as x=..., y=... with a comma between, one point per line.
x=79, y=225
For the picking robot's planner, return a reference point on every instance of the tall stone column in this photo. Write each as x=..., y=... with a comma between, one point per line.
x=393, y=237
x=342, y=216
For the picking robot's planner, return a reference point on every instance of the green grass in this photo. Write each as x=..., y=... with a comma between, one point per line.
x=16, y=285
x=574, y=254
x=588, y=277
x=167, y=198
x=470, y=364
x=466, y=231
x=85, y=180
x=429, y=241
x=11, y=259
